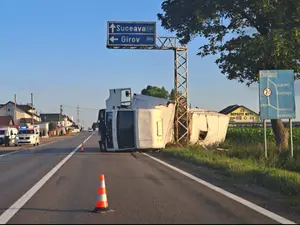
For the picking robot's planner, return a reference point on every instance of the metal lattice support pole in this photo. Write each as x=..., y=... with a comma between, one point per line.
x=181, y=95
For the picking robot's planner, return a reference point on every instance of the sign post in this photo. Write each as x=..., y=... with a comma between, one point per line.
x=291, y=135
x=277, y=98
x=265, y=139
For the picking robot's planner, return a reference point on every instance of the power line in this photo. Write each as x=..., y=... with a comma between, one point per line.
x=76, y=107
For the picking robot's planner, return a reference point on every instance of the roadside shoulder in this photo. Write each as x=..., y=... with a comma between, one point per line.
x=258, y=195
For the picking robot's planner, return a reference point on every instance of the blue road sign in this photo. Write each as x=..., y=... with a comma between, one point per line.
x=276, y=94
x=131, y=34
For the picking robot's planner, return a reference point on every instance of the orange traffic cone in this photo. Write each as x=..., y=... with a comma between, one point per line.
x=102, y=203
x=82, y=148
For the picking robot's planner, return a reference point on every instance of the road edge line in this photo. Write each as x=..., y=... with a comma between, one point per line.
x=14, y=208
x=236, y=198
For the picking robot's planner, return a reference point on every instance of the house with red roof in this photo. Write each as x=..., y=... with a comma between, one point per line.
x=6, y=121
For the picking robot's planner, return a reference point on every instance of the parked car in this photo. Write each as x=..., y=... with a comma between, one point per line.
x=11, y=132
x=28, y=136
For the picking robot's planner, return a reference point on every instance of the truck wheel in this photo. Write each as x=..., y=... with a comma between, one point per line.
x=102, y=146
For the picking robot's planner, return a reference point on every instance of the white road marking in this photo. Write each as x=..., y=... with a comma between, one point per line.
x=238, y=199
x=9, y=213
x=10, y=153
x=32, y=148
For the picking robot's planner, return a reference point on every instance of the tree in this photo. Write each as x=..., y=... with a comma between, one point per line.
x=155, y=92
x=159, y=92
x=247, y=36
x=52, y=126
x=172, y=94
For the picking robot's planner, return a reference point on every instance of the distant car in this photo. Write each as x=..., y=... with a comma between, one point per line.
x=76, y=130
x=90, y=130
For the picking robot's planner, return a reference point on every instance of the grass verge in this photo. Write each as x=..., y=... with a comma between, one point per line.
x=249, y=170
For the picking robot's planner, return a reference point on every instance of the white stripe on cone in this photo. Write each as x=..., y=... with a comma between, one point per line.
x=102, y=184
x=102, y=198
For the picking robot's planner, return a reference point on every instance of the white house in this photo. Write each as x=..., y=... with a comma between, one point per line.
x=24, y=113
x=61, y=120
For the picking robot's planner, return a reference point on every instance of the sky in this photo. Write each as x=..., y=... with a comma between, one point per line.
x=57, y=51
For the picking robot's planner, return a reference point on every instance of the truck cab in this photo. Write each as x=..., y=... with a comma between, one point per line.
x=28, y=135
x=135, y=123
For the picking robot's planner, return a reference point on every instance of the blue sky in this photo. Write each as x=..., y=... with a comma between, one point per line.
x=57, y=50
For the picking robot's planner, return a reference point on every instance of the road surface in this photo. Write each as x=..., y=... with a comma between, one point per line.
x=44, y=141
x=139, y=189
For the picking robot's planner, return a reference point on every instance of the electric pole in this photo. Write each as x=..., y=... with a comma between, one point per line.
x=60, y=112
x=61, y=109
x=15, y=108
x=77, y=112
x=32, y=118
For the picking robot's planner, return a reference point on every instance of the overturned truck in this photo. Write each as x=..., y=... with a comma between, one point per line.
x=140, y=122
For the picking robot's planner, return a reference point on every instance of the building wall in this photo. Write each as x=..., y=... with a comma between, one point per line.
x=243, y=115
x=64, y=123
x=8, y=110
x=69, y=124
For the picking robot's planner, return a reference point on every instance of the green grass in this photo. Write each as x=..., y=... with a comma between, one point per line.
x=244, y=160
x=247, y=143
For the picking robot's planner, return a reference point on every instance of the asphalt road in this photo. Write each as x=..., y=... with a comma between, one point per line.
x=139, y=189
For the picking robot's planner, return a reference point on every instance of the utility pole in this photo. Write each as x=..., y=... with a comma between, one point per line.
x=15, y=108
x=77, y=112
x=61, y=110
x=32, y=117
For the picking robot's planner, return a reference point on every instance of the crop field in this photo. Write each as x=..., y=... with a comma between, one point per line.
x=255, y=135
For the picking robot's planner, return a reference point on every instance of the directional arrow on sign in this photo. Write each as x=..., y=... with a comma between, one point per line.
x=113, y=39
x=112, y=27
